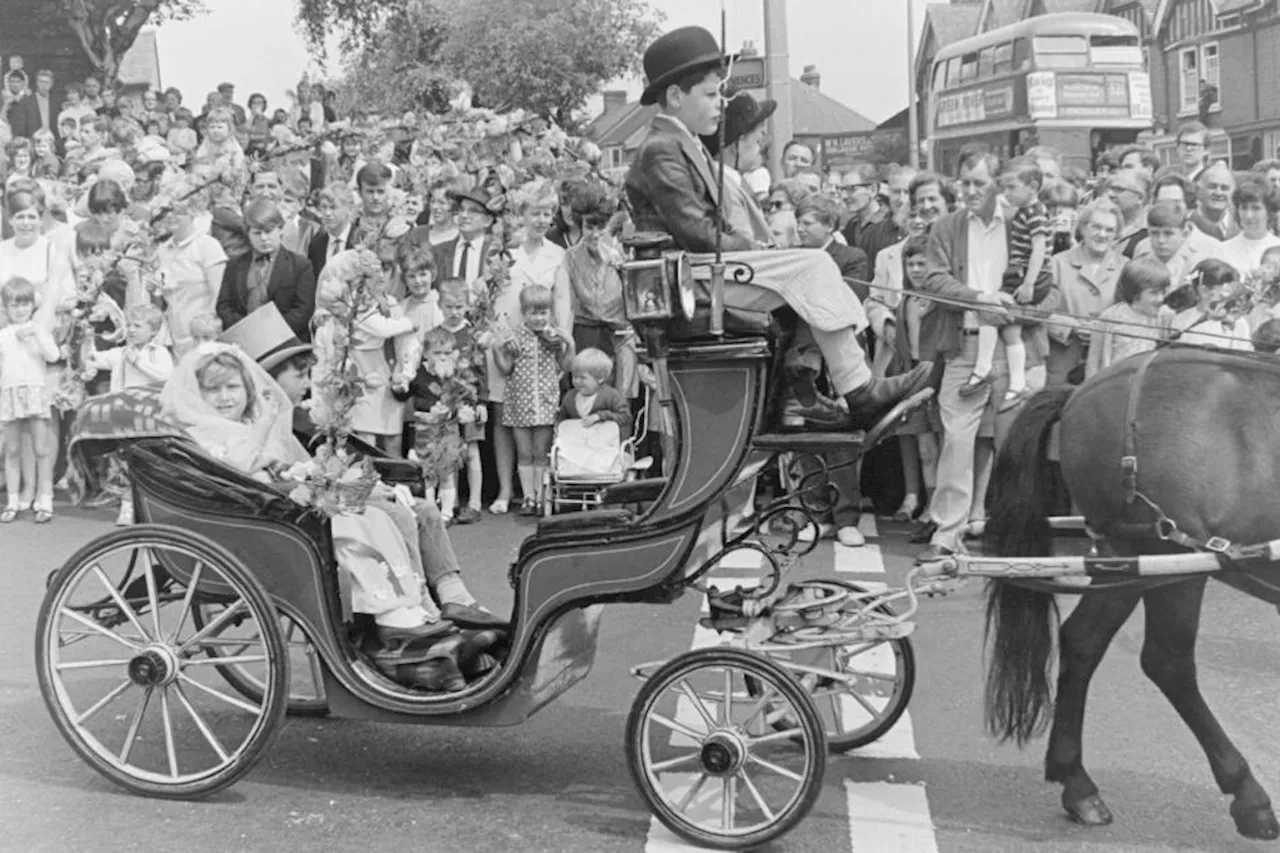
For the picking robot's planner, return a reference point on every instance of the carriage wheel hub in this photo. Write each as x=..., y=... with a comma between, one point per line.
x=723, y=753
x=154, y=666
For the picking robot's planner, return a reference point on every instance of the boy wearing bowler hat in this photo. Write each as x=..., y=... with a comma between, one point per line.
x=673, y=188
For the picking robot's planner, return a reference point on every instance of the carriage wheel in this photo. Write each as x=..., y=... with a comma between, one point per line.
x=707, y=758
x=126, y=673
x=884, y=673
x=306, y=684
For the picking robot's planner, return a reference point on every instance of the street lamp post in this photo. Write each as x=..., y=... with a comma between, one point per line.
x=913, y=124
x=778, y=64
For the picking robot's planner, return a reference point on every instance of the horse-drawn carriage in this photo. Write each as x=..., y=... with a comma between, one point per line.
x=224, y=579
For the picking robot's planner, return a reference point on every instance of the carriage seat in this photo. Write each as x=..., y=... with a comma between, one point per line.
x=595, y=519
x=176, y=470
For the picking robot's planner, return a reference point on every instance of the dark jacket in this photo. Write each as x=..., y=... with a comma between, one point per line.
x=292, y=287
x=853, y=267
x=609, y=404
x=671, y=188
x=445, y=252
x=24, y=117
x=318, y=250
x=878, y=236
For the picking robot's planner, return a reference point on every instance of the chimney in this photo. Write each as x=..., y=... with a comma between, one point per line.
x=614, y=98
x=811, y=77
x=749, y=49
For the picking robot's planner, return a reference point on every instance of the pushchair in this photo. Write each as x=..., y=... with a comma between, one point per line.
x=585, y=461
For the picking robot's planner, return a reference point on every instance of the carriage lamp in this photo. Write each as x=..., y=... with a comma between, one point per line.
x=657, y=281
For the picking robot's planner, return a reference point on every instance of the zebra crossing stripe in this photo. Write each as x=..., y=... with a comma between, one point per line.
x=889, y=818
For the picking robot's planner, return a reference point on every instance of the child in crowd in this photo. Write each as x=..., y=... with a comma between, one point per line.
x=1266, y=339
x=142, y=362
x=45, y=165
x=1028, y=277
x=1209, y=323
x=1138, y=321
x=205, y=328
x=26, y=397
x=417, y=268
x=533, y=359
x=220, y=143
x=1061, y=202
x=454, y=294
x=446, y=401
x=192, y=264
x=590, y=398
x=1168, y=228
x=918, y=437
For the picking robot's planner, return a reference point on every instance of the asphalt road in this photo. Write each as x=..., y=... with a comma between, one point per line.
x=560, y=782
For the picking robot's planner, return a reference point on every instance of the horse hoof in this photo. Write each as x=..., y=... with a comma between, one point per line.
x=1090, y=811
x=1259, y=824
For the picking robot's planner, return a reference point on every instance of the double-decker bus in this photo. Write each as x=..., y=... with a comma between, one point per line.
x=1073, y=81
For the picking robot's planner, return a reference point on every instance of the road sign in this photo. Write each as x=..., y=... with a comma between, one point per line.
x=748, y=73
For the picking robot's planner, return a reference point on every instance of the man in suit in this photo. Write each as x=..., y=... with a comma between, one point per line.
x=336, y=205
x=36, y=110
x=966, y=257
x=464, y=256
x=267, y=273
x=672, y=188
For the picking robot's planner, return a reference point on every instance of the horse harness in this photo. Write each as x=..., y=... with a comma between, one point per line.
x=1163, y=527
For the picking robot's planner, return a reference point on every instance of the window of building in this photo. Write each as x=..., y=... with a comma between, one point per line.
x=1198, y=65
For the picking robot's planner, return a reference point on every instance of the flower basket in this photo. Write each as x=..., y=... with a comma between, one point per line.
x=333, y=483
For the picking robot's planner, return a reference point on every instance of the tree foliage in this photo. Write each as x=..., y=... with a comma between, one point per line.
x=545, y=56
x=107, y=29
x=358, y=24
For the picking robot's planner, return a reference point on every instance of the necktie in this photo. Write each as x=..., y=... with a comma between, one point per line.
x=462, y=262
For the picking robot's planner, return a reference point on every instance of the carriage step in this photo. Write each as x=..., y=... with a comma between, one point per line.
x=810, y=441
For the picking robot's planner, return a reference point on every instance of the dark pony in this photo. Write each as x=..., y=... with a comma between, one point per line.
x=1204, y=442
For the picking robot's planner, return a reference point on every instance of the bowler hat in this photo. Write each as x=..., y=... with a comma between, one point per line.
x=742, y=115
x=480, y=196
x=266, y=337
x=676, y=54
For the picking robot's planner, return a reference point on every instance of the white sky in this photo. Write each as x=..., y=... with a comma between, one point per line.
x=859, y=46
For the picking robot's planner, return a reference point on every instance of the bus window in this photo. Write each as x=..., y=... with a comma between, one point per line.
x=939, y=76
x=1061, y=52
x=1021, y=54
x=968, y=66
x=953, y=71
x=1002, y=59
x=1116, y=50
x=985, y=63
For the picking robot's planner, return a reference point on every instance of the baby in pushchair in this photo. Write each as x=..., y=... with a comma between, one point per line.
x=593, y=446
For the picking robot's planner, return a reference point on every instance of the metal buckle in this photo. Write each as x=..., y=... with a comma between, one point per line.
x=1217, y=544
x=1129, y=463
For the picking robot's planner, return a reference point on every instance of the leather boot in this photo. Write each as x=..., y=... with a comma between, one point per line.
x=871, y=402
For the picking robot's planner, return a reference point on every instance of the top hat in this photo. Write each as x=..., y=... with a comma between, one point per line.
x=266, y=337
x=742, y=115
x=676, y=54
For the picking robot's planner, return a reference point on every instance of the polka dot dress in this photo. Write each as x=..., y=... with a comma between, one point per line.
x=533, y=389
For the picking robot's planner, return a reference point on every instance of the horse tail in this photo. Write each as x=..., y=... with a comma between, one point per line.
x=1021, y=622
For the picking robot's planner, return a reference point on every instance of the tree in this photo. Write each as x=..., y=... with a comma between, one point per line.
x=545, y=56
x=358, y=24
x=107, y=28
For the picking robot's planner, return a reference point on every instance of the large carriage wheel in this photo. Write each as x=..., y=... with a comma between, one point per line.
x=707, y=758
x=883, y=673
x=125, y=672
x=306, y=685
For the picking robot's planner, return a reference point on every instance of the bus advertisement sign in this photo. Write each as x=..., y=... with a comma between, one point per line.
x=1042, y=95
x=1140, y=105
x=975, y=105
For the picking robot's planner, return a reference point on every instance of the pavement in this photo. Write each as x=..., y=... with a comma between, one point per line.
x=559, y=782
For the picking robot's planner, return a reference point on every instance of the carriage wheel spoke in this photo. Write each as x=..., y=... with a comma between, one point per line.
x=168, y=732
x=729, y=793
x=674, y=762
x=755, y=795
x=215, y=625
x=152, y=599
x=104, y=701
x=200, y=723
x=685, y=802
x=98, y=629
x=874, y=676
x=230, y=700
x=761, y=704
x=317, y=672
x=223, y=661
x=91, y=664
x=678, y=728
x=781, y=771
x=131, y=735
x=186, y=601
x=692, y=696
x=866, y=706
x=728, y=696
x=120, y=601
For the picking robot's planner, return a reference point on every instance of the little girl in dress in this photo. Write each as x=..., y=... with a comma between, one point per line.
x=378, y=417
x=532, y=360
x=26, y=398
x=1139, y=320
